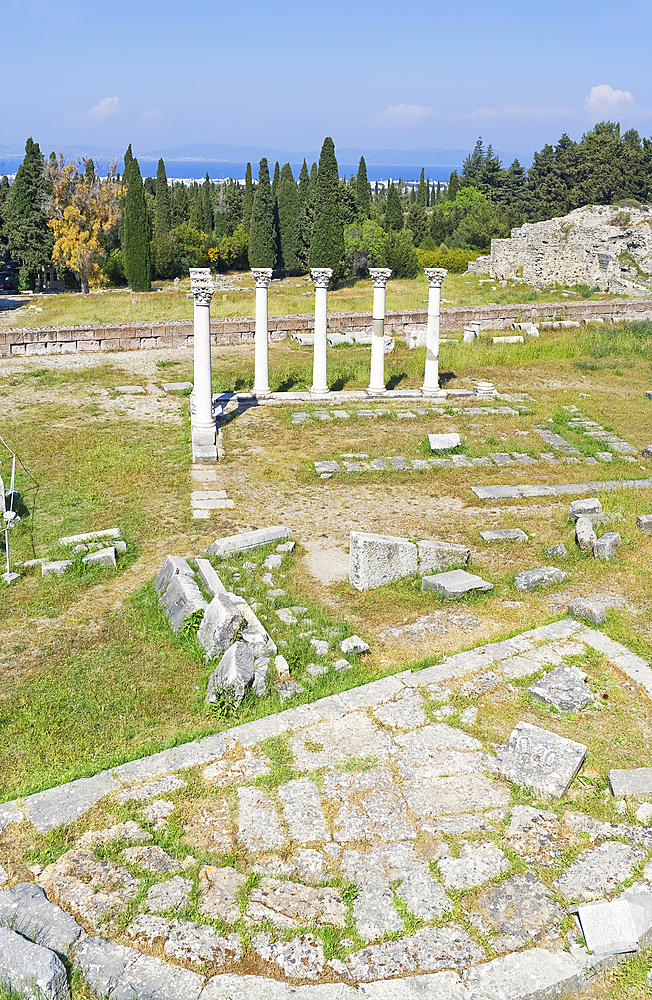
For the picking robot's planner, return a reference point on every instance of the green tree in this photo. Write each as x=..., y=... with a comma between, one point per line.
x=454, y=184
x=248, y=200
x=393, y=211
x=417, y=221
x=364, y=246
x=180, y=204
x=472, y=164
x=275, y=181
x=28, y=235
x=400, y=255
x=262, y=249
x=348, y=204
x=162, y=250
x=207, y=215
x=90, y=172
x=289, y=219
x=5, y=191
x=128, y=159
x=363, y=191
x=327, y=244
x=308, y=200
x=423, y=190
x=136, y=234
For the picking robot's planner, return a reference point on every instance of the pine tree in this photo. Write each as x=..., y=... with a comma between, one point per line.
x=28, y=235
x=207, y=216
x=136, y=234
x=248, y=200
x=262, y=250
x=275, y=181
x=363, y=191
x=472, y=165
x=393, y=210
x=289, y=219
x=327, y=245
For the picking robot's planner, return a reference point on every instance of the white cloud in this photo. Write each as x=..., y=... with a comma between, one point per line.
x=405, y=114
x=105, y=108
x=153, y=115
x=523, y=112
x=604, y=101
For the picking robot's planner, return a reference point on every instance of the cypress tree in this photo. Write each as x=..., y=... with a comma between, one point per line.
x=208, y=219
x=162, y=256
x=363, y=191
x=275, y=181
x=304, y=182
x=248, y=200
x=29, y=237
x=90, y=172
x=289, y=218
x=128, y=158
x=422, y=190
x=417, y=222
x=136, y=237
x=180, y=206
x=327, y=245
x=307, y=183
x=453, y=186
x=438, y=195
x=262, y=250
x=393, y=211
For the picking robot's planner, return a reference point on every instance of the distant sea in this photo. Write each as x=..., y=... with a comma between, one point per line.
x=222, y=169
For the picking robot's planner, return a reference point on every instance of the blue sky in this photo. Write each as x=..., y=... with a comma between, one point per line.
x=375, y=75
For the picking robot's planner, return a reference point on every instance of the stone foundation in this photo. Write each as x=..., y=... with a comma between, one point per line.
x=240, y=330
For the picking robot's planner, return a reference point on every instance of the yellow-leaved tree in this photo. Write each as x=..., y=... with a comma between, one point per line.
x=85, y=213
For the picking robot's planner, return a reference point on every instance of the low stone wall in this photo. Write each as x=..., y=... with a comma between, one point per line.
x=240, y=330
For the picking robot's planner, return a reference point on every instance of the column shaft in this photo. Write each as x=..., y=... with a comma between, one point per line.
x=321, y=276
x=380, y=277
x=262, y=278
x=431, y=375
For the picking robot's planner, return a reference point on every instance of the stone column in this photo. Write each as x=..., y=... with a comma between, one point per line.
x=262, y=278
x=321, y=276
x=203, y=424
x=435, y=276
x=380, y=276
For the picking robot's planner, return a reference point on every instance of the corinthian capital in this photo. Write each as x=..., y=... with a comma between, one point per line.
x=380, y=276
x=201, y=285
x=321, y=276
x=435, y=276
x=262, y=276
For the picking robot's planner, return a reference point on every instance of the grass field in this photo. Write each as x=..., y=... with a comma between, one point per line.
x=92, y=675
x=291, y=296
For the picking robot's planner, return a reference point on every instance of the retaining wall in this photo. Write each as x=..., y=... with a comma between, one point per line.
x=240, y=330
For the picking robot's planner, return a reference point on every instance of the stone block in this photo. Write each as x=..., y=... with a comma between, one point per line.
x=632, y=782
x=543, y=576
x=644, y=522
x=590, y=611
x=598, y=871
x=375, y=560
x=579, y=507
x=90, y=536
x=534, y=974
x=540, y=760
x=606, y=547
x=564, y=688
x=182, y=598
x=176, y=386
x=208, y=576
x=443, y=442
x=503, y=535
x=151, y=978
x=456, y=583
x=27, y=910
x=354, y=644
x=435, y=556
x=173, y=566
x=30, y=970
x=219, y=626
x=585, y=536
x=608, y=928
x=321, y=467
x=55, y=567
x=557, y=550
x=104, y=557
x=233, y=673
x=248, y=540
x=66, y=803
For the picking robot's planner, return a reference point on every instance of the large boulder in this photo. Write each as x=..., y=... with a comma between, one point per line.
x=233, y=674
x=220, y=625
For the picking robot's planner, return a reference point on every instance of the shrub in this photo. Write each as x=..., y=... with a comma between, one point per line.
x=454, y=260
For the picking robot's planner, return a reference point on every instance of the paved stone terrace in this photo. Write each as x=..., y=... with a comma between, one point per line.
x=358, y=846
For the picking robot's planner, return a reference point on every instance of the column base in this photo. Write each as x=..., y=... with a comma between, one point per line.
x=319, y=392
x=437, y=393
x=376, y=392
x=261, y=393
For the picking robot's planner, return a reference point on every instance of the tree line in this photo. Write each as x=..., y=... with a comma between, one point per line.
x=125, y=229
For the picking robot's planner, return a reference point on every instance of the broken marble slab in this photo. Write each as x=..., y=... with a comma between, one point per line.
x=299, y=958
x=302, y=811
x=186, y=941
x=503, y=535
x=591, y=611
x=538, y=837
x=474, y=866
x=259, y=827
x=429, y=950
x=521, y=909
x=455, y=583
x=540, y=760
x=633, y=782
x=367, y=805
x=608, y=928
x=564, y=688
x=542, y=576
x=218, y=888
x=96, y=891
x=290, y=904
